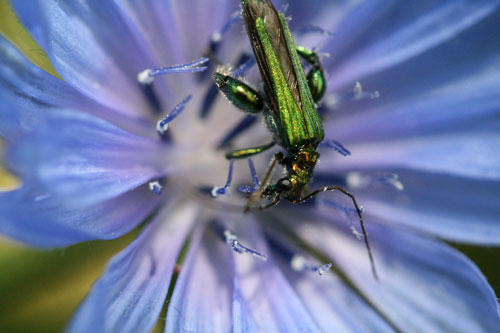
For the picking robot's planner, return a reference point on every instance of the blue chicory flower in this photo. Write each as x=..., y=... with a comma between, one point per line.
x=412, y=97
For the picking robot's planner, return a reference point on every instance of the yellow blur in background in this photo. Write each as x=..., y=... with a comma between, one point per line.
x=14, y=31
x=7, y=180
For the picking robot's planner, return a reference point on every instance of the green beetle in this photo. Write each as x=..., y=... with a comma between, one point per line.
x=289, y=106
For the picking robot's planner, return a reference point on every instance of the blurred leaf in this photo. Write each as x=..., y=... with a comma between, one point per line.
x=13, y=30
x=487, y=259
x=7, y=180
x=11, y=27
x=40, y=290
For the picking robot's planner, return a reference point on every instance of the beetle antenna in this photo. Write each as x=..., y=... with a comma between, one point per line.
x=358, y=210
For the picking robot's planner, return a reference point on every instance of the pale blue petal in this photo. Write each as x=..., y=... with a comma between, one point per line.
x=130, y=294
x=161, y=29
x=158, y=24
x=334, y=305
x=472, y=154
x=27, y=92
x=37, y=218
x=197, y=20
x=315, y=12
x=92, y=47
x=201, y=301
x=83, y=159
x=381, y=34
x=458, y=63
x=450, y=104
x=458, y=209
x=243, y=320
x=423, y=286
x=308, y=15
x=268, y=296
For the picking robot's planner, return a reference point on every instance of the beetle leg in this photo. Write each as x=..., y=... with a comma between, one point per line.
x=276, y=201
x=316, y=76
x=257, y=195
x=244, y=63
x=239, y=93
x=246, y=152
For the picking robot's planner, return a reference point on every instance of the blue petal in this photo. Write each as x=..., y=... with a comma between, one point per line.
x=83, y=159
x=268, y=296
x=195, y=34
x=424, y=285
x=93, y=47
x=309, y=15
x=37, y=218
x=157, y=22
x=130, y=294
x=473, y=154
x=243, y=320
x=318, y=13
x=201, y=301
x=452, y=104
x=27, y=92
x=381, y=34
x=457, y=209
x=174, y=37
x=455, y=64
x=335, y=306
x=423, y=96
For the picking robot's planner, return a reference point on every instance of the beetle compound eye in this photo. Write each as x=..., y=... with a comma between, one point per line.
x=284, y=184
x=220, y=79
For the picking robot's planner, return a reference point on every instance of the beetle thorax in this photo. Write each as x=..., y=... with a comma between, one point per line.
x=300, y=171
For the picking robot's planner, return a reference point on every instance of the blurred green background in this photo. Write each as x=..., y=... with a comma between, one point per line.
x=39, y=290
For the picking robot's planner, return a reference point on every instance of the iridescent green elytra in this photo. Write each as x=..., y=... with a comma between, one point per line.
x=289, y=107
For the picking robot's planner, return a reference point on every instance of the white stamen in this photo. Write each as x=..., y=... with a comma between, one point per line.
x=332, y=101
x=396, y=183
x=357, y=91
x=323, y=268
x=155, y=187
x=214, y=193
x=216, y=37
x=161, y=128
x=42, y=197
x=357, y=180
x=144, y=78
x=232, y=240
x=298, y=263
